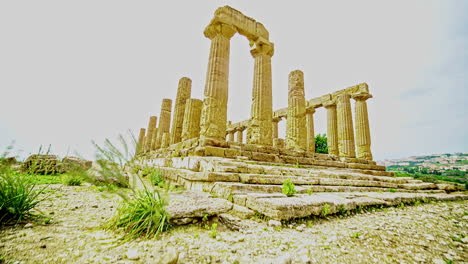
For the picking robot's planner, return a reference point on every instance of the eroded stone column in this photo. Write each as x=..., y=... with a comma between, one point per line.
x=332, y=128
x=345, y=127
x=141, y=141
x=274, y=132
x=231, y=136
x=260, y=128
x=363, y=139
x=150, y=132
x=164, y=120
x=240, y=136
x=214, y=112
x=183, y=93
x=166, y=140
x=154, y=139
x=310, y=130
x=296, y=134
x=191, y=126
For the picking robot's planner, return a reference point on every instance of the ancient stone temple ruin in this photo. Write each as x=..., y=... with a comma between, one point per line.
x=195, y=145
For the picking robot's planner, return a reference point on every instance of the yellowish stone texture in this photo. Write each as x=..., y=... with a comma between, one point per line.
x=240, y=136
x=296, y=134
x=150, y=132
x=191, y=125
x=332, y=128
x=164, y=121
x=183, y=93
x=166, y=140
x=141, y=141
x=310, y=130
x=274, y=133
x=363, y=139
x=345, y=127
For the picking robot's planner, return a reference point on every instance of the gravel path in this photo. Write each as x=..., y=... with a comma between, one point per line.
x=427, y=233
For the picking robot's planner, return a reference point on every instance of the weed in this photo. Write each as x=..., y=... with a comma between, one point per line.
x=356, y=235
x=392, y=190
x=277, y=228
x=72, y=180
x=309, y=224
x=325, y=210
x=401, y=205
x=262, y=181
x=310, y=191
x=288, y=188
x=156, y=177
x=213, y=233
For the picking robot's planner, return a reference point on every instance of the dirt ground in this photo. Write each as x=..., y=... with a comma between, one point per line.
x=73, y=233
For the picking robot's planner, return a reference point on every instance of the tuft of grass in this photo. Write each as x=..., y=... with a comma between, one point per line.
x=156, y=177
x=325, y=210
x=213, y=233
x=356, y=235
x=392, y=190
x=143, y=215
x=72, y=180
x=288, y=188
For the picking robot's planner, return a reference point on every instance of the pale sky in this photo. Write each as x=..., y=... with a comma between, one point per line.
x=76, y=71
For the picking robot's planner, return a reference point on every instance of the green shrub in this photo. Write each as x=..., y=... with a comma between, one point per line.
x=156, y=177
x=288, y=188
x=18, y=195
x=142, y=215
x=72, y=180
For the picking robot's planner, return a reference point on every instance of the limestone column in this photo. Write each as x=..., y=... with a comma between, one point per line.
x=296, y=134
x=214, y=112
x=274, y=132
x=150, y=132
x=192, y=113
x=231, y=136
x=310, y=130
x=141, y=141
x=240, y=136
x=332, y=128
x=345, y=127
x=153, y=140
x=363, y=139
x=260, y=128
x=164, y=120
x=183, y=93
x=166, y=138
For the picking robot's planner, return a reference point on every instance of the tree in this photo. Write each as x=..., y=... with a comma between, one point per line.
x=321, y=145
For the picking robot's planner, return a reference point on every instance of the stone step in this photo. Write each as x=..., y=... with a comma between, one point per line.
x=281, y=207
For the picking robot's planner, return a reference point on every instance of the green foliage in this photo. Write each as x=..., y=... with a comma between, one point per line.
x=213, y=233
x=142, y=215
x=356, y=235
x=325, y=210
x=18, y=195
x=288, y=188
x=321, y=145
x=392, y=190
x=72, y=180
x=156, y=177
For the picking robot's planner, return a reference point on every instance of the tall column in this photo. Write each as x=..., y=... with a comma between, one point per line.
x=191, y=126
x=166, y=137
x=231, y=136
x=345, y=127
x=332, y=128
x=296, y=134
x=363, y=139
x=150, y=132
x=141, y=141
x=260, y=128
x=310, y=130
x=164, y=120
x=153, y=140
x=183, y=93
x=240, y=136
x=214, y=113
x=274, y=132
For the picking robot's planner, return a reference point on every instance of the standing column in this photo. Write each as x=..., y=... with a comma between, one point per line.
x=332, y=128
x=166, y=137
x=231, y=136
x=150, y=132
x=183, y=93
x=141, y=141
x=296, y=134
x=191, y=126
x=260, y=128
x=363, y=139
x=310, y=130
x=153, y=140
x=164, y=120
x=345, y=127
x=214, y=113
x=275, y=127
x=240, y=135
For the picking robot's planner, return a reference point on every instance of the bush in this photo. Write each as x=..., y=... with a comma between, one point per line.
x=288, y=188
x=321, y=144
x=143, y=215
x=156, y=177
x=18, y=195
x=72, y=180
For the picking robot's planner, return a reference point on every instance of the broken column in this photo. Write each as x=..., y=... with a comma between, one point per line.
x=150, y=132
x=260, y=128
x=363, y=140
x=141, y=141
x=345, y=127
x=275, y=127
x=332, y=127
x=310, y=129
x=192, y=113
x=214, y=112
x=164, y=120
x=240, y=136
x=183, y=93
x=153, y=140
x=296, y=134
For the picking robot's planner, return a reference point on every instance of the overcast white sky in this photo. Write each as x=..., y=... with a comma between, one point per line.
x=76, y=71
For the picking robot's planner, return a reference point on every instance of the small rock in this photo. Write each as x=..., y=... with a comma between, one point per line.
x=438, y=261
x=300, y=228
x=285, y=259
x=429, y=237
x=28, y=225
x=274, y=223
x=170, y=257
x=133, y=254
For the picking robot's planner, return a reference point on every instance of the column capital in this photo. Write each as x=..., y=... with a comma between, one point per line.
x=361, y=96
x=262, y=46
x=276, y=119
x=329, y=103
x=217, y=29
x=310, y=110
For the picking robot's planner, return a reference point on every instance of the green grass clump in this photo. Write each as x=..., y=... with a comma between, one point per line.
x=143, y=215
x=288, y=188
x=156, y=177
x=72, y=180
x=18, y=196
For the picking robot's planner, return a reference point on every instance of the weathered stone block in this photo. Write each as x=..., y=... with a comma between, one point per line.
x=214, y=151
